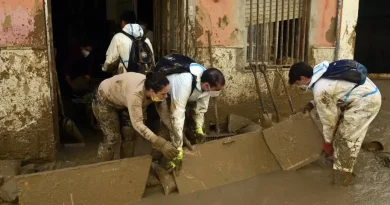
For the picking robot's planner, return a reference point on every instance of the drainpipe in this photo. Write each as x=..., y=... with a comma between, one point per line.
x=338, y=29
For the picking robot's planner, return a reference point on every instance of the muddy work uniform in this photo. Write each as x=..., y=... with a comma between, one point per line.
x=181, y=93
x=346, y=111
x=115, y=94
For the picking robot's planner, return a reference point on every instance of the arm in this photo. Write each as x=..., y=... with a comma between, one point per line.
x=180, y=92
x=201, y=107
x=137, y=119
x=327, y=110
x=112, y=56
x=163, y=111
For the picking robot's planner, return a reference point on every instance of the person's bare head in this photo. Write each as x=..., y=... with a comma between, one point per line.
x=127, y=17
x=212, y=80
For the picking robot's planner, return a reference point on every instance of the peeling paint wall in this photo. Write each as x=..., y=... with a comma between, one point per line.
x=225, y=18
x=26, y=121
x=349, y=16
x=322, y=31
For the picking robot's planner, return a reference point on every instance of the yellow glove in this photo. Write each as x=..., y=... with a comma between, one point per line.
x=199, y=131
x=199, y=135
x=177, y=160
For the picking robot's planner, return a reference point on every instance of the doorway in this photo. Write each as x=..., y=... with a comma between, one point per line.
x=372, y=47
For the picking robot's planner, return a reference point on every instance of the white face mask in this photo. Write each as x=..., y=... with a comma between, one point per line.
x=214, y=93
x=85, y=53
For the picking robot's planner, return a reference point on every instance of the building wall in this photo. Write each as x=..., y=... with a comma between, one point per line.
x=323, y=31
x=226, y=21
x=26, y=105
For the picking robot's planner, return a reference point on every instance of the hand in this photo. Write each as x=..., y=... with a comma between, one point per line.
x=199, y=135
x=328, y=149
x=308, y=107
x=168, y=150
x=176, y=164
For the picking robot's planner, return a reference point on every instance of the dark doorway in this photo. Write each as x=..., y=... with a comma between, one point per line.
x=372, y=46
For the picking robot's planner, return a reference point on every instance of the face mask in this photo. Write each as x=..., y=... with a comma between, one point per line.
x=214, y=93
x=85, y=53
x=156, y=99
x=303, y=87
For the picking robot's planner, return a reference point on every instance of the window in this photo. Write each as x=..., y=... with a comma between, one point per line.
x=276, y=31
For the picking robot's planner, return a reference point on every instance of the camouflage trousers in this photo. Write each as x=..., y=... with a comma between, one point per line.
x=120, y=138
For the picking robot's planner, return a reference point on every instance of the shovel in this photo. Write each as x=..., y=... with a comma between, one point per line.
x=265, y=118
x=66, y=124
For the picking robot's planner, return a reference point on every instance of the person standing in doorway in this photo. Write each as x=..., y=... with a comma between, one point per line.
x=118, y=55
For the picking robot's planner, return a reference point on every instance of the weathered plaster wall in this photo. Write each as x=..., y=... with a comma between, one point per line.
x=26, y=121
x=22, y=23
x=322, y=30
x=349, y=16
x=226, y=20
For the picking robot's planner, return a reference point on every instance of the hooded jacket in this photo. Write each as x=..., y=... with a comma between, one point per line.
x=119, y=49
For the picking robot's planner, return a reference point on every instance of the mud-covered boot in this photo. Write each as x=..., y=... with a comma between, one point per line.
x=105, y=152
x=342, y=178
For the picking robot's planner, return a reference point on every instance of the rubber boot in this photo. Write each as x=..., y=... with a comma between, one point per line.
x=105, y=152
x=342, y=178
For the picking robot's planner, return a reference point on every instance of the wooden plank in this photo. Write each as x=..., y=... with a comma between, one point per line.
x=295, y=142
x=108, y=183
x=216, y=163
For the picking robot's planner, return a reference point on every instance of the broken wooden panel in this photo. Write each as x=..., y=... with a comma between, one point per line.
x=295, y=142
x=108, y=183
x=217, y=162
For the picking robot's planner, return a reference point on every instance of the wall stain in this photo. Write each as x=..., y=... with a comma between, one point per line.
x=331, y=32
x=223, y=22
x=7, y=23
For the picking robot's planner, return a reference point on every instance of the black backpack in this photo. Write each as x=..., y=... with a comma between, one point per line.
x=141, y=56
x=348, y=70
x=175, y=64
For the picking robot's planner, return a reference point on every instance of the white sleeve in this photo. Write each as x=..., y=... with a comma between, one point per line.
x=201, y=107
x=112, y=55
x=181, y=85
x=151, y=48
x=326, y=105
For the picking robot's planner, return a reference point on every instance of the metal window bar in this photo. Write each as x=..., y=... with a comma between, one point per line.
x=172, y=25
x=277, y=32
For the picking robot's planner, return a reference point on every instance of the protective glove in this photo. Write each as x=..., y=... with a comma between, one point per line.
x=199, y=135
x=328, y=149
x=308, y=107
x=177, y=162
x=168, y=150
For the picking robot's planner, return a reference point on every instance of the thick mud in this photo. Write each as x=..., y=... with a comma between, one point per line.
x=310, y=185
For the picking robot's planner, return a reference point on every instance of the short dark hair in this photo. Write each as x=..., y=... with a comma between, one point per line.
x=128, y=17
x=213, y=76
x=156, y=81
x=299, y=69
